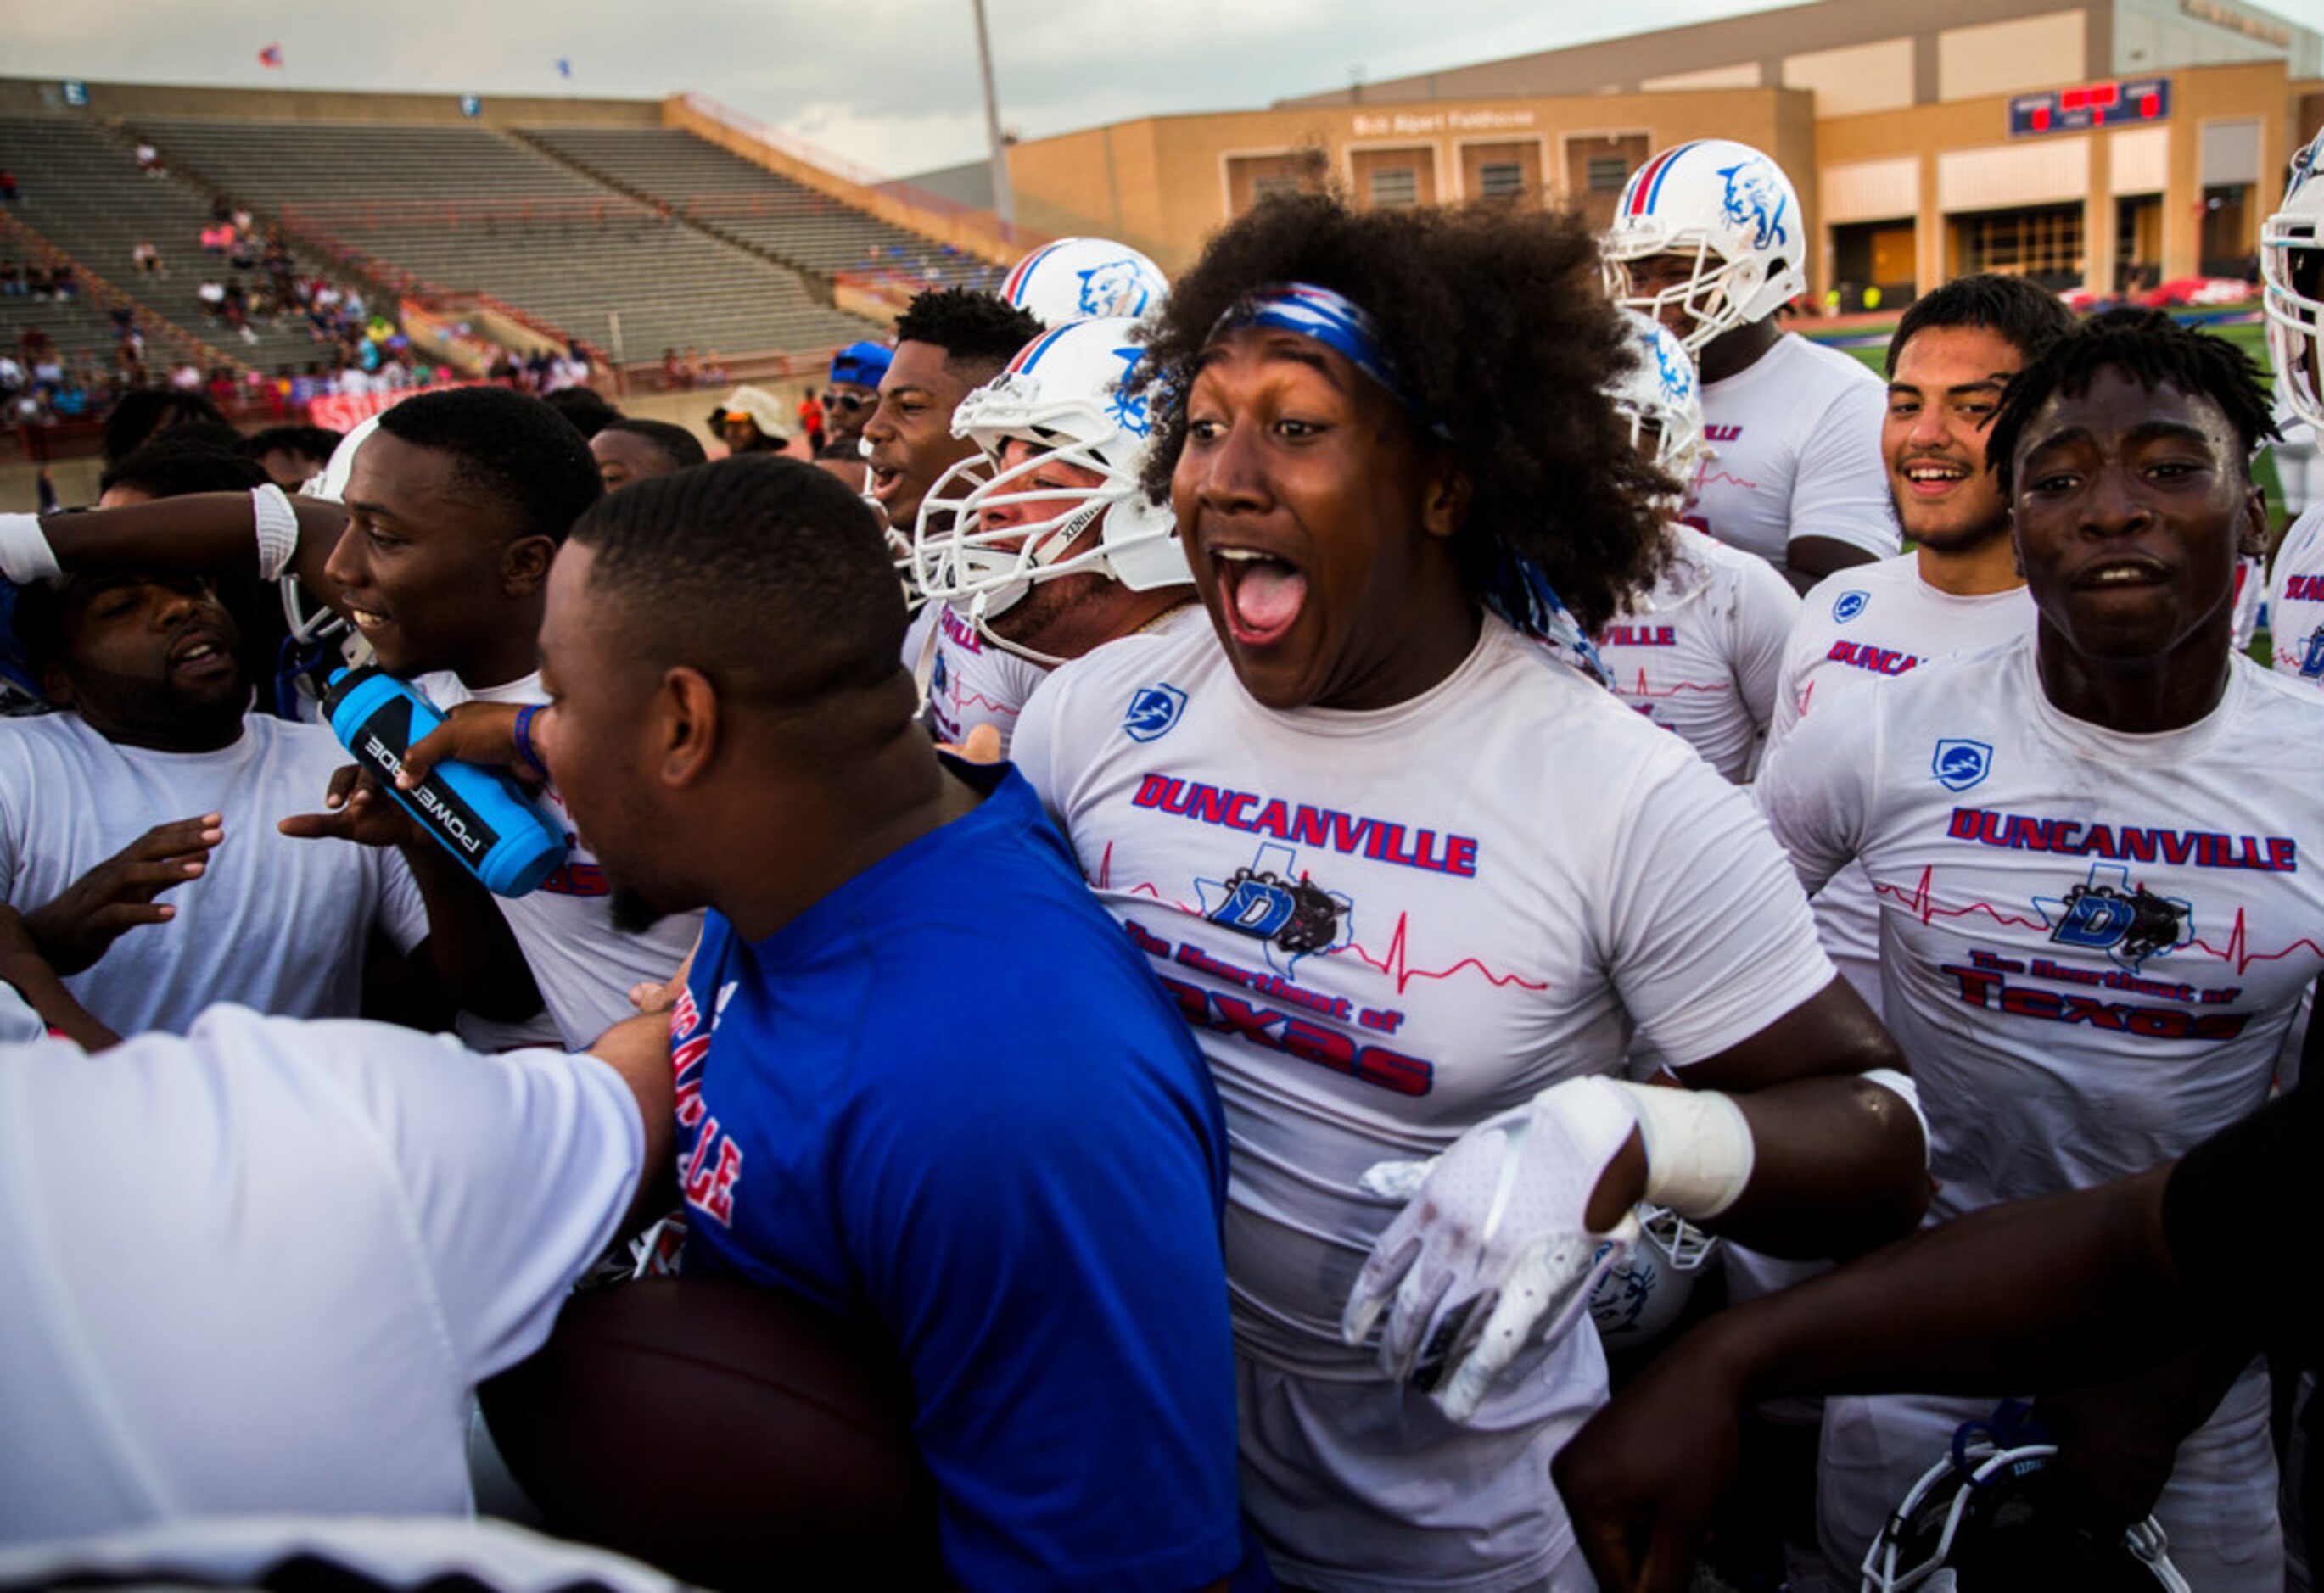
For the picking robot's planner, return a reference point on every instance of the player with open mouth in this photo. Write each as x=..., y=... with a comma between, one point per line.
x=1415, y=880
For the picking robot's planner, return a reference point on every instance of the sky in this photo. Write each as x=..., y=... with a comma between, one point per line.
x=887, y=84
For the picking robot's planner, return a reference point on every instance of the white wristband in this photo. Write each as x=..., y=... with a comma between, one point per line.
x=1698, y=1149
x=1901, y=1085
x=277, y=525
x=25, y=555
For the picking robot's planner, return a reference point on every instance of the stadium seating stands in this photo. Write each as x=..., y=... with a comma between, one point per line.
x=471, y=209
x=764, y=209
x=83, y=192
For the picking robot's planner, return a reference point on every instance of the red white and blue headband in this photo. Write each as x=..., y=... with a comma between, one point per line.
x=1518, y=590
x=1331, y=319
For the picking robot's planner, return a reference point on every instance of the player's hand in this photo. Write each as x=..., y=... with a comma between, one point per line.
x=1643, y=1477
x=982, y=744
x=647, y=995
x=356, y=810
x=1494, y=1248
x=117, y=895
x=472, y=732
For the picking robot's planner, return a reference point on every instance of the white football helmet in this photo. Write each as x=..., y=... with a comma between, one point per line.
x=1642, y=1296
x=1730, y=208
x=1076, y=279
x=1065, y=394
x=316, y=628
x=1980, y=1517
x=2292, y=268
x=1660, y=390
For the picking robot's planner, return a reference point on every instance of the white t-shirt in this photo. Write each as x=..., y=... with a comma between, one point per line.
x=1698, y=654
x=304, y=1243
x=2295, y=601
x=584, y=966
x=1795, y=452
x=1856, y=627
x=974, y=680
x=2092, y=941
x=1385, y=926
x=275, y=924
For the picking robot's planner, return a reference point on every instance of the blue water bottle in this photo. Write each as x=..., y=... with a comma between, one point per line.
x=481, y=816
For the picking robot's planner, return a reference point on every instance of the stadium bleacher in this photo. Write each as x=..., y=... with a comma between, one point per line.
x=83, y=192
x=470, y=209
x=764, y=209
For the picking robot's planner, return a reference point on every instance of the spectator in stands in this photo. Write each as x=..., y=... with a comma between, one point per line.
x=583, y=406
x=673, y=371
x=290, y=454
x=712, y=372
x=750, y=422
x=64, y=283
x=144, y=257
x=853, y=393
x=629, y=450
x=12, y=279
x=8, y=195
x=148, y=159
x=36, y=279
x=810, y=420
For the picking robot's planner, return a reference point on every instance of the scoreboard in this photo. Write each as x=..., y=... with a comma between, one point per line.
x=2125, y=102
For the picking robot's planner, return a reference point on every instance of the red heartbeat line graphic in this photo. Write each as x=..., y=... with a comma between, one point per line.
x=1709, y=476
x=2237, y=953
x=1715, y=687
x=961, y=697
x=1394, y=964
x=1918, y=901
x=1395, y=968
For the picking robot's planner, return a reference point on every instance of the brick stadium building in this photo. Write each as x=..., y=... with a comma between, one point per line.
x=2083, y=145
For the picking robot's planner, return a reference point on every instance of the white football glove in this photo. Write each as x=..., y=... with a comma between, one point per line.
x=1492, y=1251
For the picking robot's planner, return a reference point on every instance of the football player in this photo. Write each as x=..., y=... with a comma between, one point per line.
x=1043, y=543
x=1026, y=1212
x=1697, y=653
x=1708, y=239
x=1411, y=880
x=1958, y=591
x=2292, y=262
x=949, y=342
x=306, y=1244
x=2095, y=925
x=454, y=507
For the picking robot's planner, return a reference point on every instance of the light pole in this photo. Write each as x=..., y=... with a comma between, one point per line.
x=1004, y=203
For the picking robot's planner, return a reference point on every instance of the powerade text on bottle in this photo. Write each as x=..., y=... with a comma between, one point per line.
x=480, y=816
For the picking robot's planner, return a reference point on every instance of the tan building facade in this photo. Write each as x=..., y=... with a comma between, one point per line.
x=2100, y=143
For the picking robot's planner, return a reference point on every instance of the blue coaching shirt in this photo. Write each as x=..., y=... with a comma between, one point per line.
x=949, y=1100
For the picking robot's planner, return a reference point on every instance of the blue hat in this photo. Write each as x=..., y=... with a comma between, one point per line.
x=862, y=364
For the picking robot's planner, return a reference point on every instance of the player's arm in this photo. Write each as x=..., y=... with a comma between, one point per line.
x=1799, y=1133
x=638, y=1048
x=2037, y=1295
x=468, y=946
x=264, y=532
x=2022, y=1295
